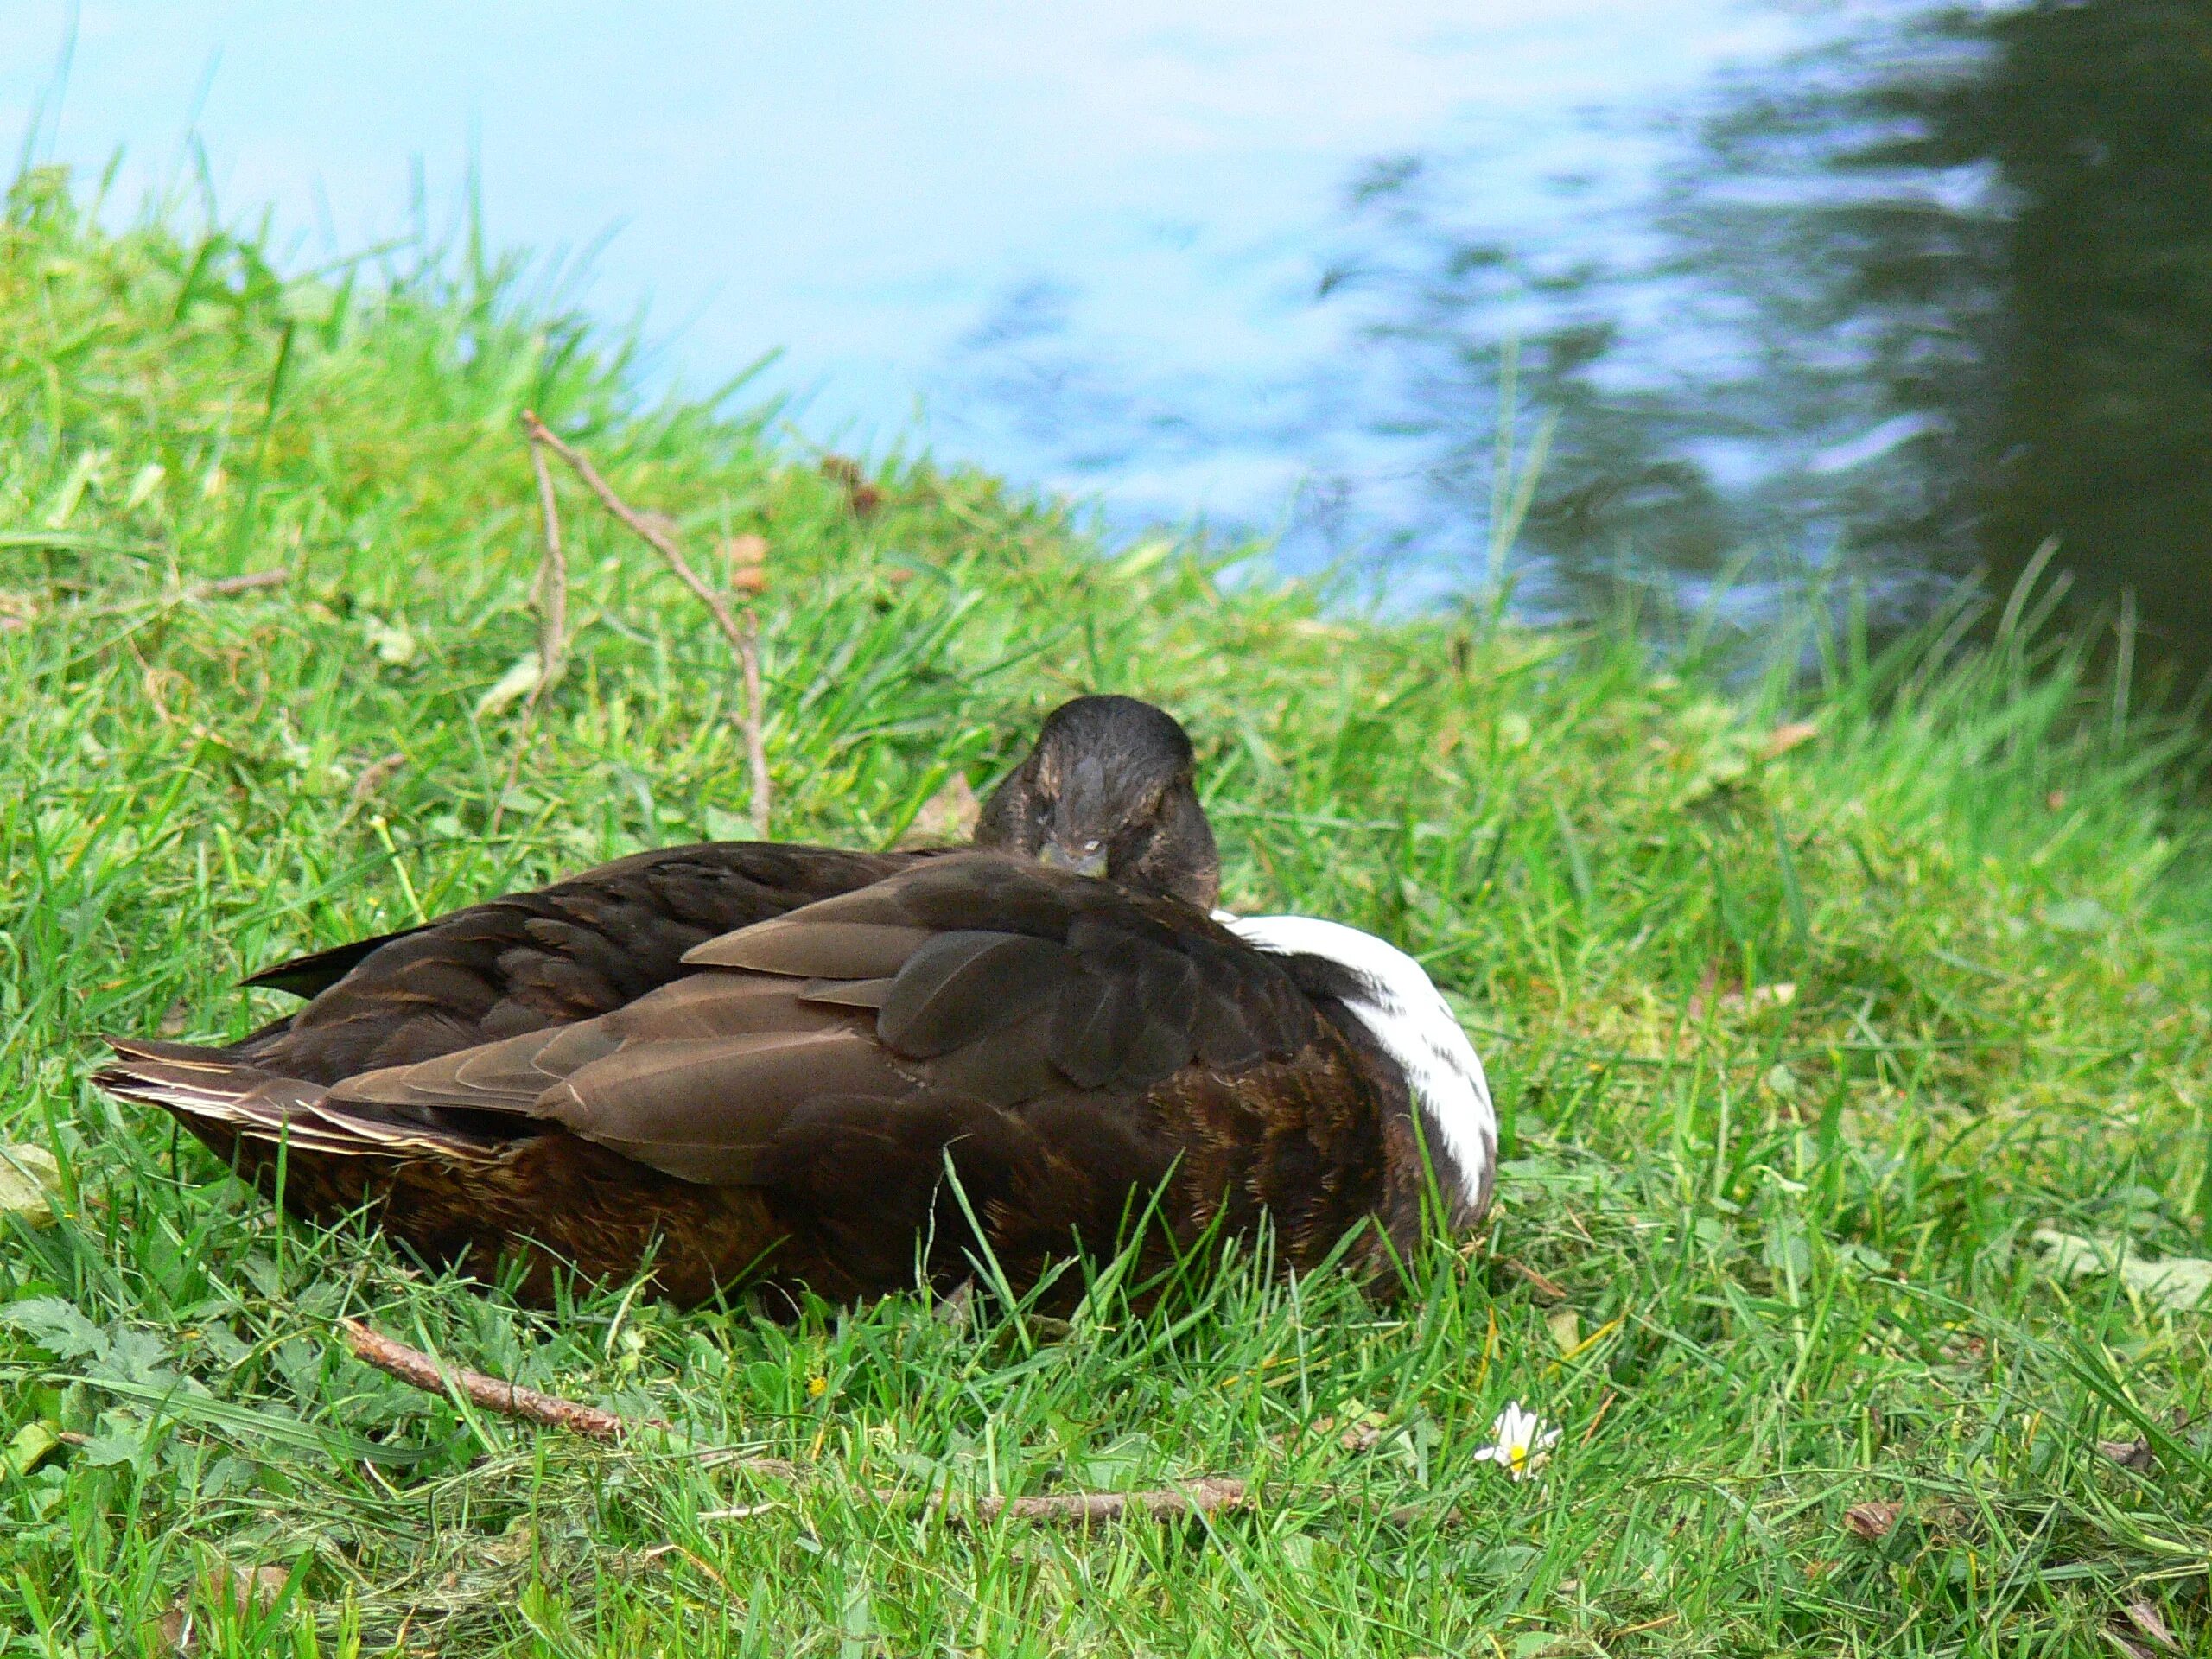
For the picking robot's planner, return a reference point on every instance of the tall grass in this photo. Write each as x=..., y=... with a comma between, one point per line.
x=1798, y=1038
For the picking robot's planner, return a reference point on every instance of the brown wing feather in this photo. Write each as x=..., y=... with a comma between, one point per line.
x=703, y=1109
x=571, y=951
x=973, y=1041
x=1068, y=988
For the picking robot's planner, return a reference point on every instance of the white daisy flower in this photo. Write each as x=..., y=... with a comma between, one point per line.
x=1522, y=1442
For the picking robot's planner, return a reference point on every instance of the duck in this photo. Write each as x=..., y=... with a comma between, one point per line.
x=980, y=1061
x=1106, y=790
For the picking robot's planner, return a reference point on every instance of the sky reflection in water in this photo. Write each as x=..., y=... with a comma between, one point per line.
x=1078, y=244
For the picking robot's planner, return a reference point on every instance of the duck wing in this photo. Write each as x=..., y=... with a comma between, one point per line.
x=1046, y=1034
x=316, y=972
x=567, y=952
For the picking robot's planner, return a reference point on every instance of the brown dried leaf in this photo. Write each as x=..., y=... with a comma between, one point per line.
x=2143, y=1614
x=254, y=1589
x=1546, y=1289
x=747, y=560
x=1872, y=1521
x=1363, y=1427
x=2129, y=1454
x=1566, y=1326
x=1783, y=739
x=1966, y=1350
x=861, y=495
x=947, y=818
x=30, y=1180
x=242, y=1590
x=957, y=1307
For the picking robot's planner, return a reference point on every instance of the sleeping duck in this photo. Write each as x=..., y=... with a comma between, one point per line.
x=975, y=1053
x=1106, y=790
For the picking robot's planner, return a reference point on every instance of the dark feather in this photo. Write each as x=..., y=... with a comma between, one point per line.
x=580, y=948
x=317, y=971
x=961, y=987
x=847, y=1091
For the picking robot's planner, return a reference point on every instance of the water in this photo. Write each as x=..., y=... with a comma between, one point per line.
x=1874, y=290
x=1079, y=246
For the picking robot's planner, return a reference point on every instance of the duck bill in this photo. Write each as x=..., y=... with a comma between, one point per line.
x=1090, y=861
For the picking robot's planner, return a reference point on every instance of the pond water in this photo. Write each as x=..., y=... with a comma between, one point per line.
x=1862, y=288
x=1079, y=248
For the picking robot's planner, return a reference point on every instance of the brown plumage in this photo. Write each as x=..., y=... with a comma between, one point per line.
x=1106, y=790
x=825, y=1099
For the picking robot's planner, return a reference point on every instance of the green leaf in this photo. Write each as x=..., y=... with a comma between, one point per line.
x=30, y=1180
x=33, y=1442
x=202, y=1410
x=118, y=1442
x=2079, y=916
x=2179, y=1283
x=512, y=687
x=55, y=1325
x=394, y=642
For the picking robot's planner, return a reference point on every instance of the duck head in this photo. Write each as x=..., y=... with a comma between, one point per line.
x=1107, y=792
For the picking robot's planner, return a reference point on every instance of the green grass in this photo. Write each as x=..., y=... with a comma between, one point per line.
x=1793, y=1230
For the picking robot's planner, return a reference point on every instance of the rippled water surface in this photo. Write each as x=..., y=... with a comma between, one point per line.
x=1867, y=288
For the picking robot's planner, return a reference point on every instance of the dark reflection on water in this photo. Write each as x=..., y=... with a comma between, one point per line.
x=1910, y=303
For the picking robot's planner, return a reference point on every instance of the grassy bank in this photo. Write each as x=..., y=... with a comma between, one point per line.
x=1806, y=1009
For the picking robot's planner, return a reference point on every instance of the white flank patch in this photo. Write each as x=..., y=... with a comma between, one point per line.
x=1400, y=1005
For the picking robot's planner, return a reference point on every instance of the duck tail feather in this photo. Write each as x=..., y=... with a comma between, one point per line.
x=203, y=1086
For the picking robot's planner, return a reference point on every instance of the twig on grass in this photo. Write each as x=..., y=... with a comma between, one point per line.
x=222, y=587
x=417, y=1368
x=744, y=639
x=747, y=557
x=373, y=777
x=1208, y=1495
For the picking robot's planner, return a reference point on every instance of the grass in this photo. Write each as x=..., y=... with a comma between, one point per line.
x=1787, y=1233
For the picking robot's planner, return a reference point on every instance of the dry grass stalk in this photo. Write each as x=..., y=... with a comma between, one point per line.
x=743, y=638
x=552, y=583
x=224, y=586
x=552, y=614
x=1208, y=1495
x=373, y=777
x=747, y=559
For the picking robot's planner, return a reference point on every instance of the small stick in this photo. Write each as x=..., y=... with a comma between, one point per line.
x=1208, y=1495
x=553, y=620
x=756, y=742
x=1547, y=1289
x=417, y=1368
x=245, y=584
x=552, y=583
x=374, y=777
x=744, y=641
